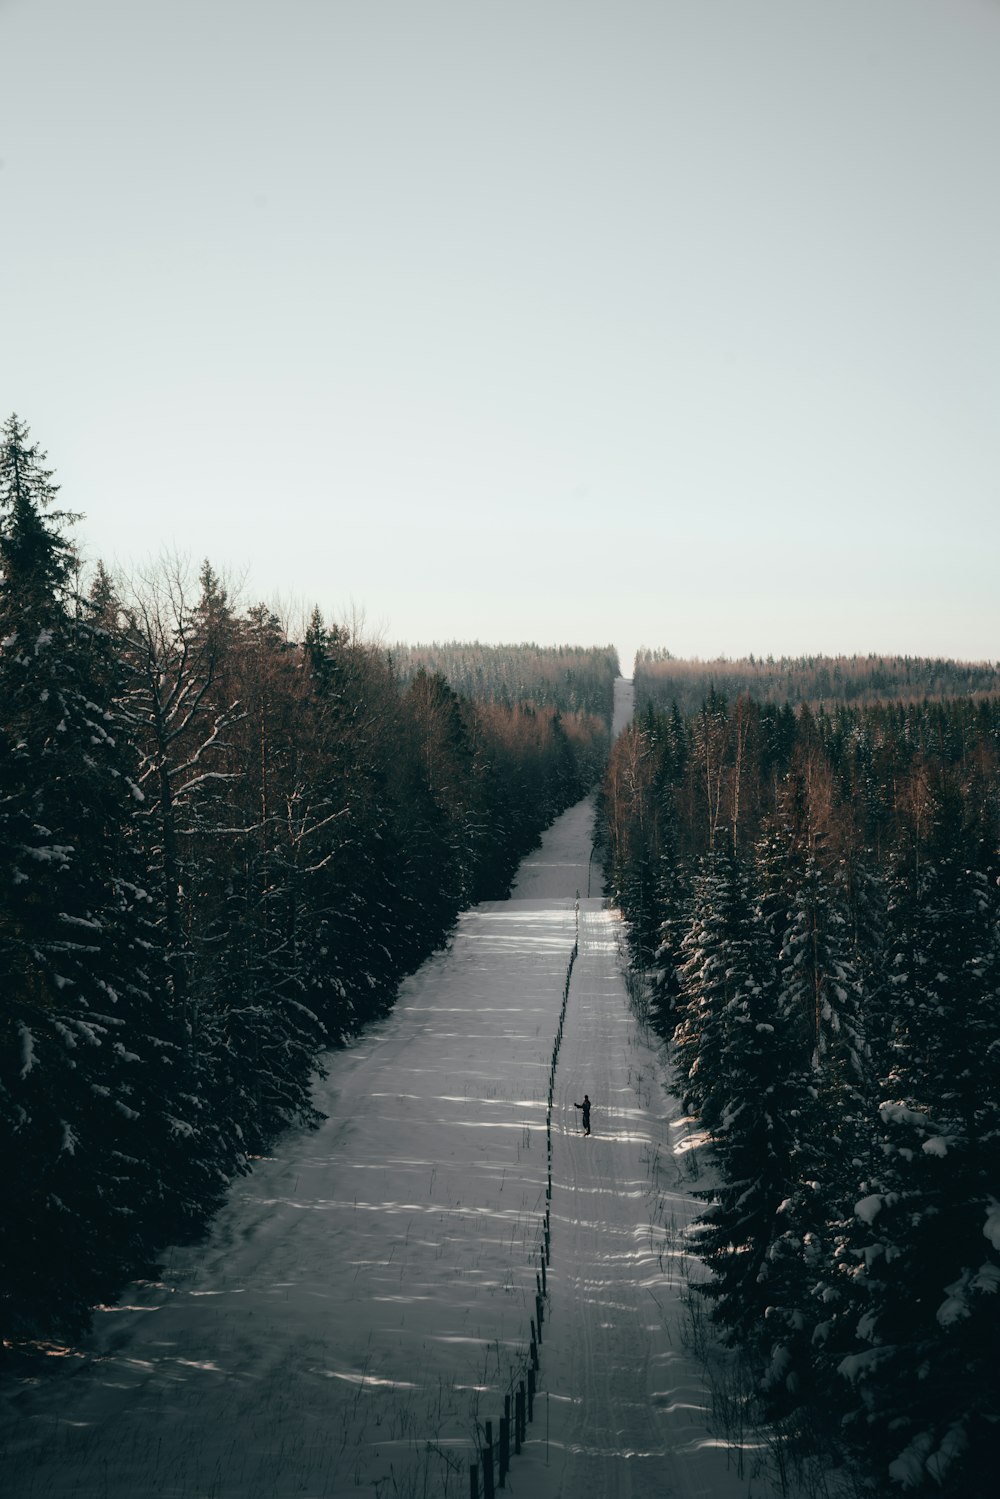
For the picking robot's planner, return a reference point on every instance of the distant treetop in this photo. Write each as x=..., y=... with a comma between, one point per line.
x=571, y=678
x=661, y=679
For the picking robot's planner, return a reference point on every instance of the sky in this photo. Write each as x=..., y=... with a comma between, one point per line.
x=649, y=322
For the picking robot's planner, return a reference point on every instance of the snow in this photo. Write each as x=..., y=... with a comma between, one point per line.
x=898, y=1113
x=868, y=1207
x=908, y=1468
x=56, y=853
x=858, y=1365
x=987, y=1279
x=937, y=1145
x=953, y=1446
x=28, y=1050
x=991, y=1228
x=955, y=1307
x=363, y=1298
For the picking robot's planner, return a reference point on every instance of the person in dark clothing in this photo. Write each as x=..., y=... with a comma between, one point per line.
x=585, y=1106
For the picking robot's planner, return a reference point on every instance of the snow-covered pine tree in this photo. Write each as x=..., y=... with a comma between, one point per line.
x=173, y=702
x=435, y=713
x=363, y=924
x=822, y=1004
x=757, y=1102
x=261, y=1028
x=82, y=1049
x=918, y=1324
x=673, y=906
x=818, y=975
x=717, y=961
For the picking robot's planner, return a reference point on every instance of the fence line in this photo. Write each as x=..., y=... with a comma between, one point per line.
x=511, y=1439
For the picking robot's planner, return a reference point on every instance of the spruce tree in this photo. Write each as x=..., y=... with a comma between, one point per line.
x=756, y=1103
x=713, y=968
x=920, y=1257
x=820, y=998
x=81, y=1048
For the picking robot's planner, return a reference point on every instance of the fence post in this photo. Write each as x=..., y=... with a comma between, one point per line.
x=517, y=1423
x=488, y=1463
x=473, y=1481
x=504, y=1441
x=531, y=1393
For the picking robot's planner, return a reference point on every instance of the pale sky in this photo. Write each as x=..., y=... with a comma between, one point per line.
x=663, y=322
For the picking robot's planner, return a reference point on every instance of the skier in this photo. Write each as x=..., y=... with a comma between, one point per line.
x=585, y=1106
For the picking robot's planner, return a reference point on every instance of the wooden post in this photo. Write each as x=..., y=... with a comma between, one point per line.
x=534, y=1352
x=488, y=1463
x=517, y=1423
x=531, y=1393
x=504, y=1441
x=522, y=1395
x=473, y=1481
x=539, y=1313
x=544, y=1287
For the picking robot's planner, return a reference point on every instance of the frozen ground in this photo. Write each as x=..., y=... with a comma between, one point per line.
x=364, y=1299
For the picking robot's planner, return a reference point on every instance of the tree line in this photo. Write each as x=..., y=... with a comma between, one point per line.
x=220, y=849
x=662, y=679
x=571, y=678
x=813, y=897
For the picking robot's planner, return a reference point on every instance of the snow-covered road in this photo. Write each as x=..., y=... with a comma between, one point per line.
x=625, y=1404
x=363, y=1299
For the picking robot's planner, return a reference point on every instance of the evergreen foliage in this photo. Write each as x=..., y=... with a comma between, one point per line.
x=829, y=972
x=574, y=679
x=220, y=850
x=662, y=679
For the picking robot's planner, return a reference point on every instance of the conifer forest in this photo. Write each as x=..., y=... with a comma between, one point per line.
x=812, y=896
x=225, y=840
x=220, y=849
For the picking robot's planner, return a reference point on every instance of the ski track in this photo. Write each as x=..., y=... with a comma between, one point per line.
x=362, y=1300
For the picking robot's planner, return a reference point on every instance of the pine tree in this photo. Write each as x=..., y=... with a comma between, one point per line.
x=718, y=960
x=919, y=1325
x=81, y=1049
x=760, y=1102
x=820, y=997
x=259, y=1023
x=673, y=896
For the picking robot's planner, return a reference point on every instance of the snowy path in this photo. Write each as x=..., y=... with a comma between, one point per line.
x=624, y=1403
x=364, y=1297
